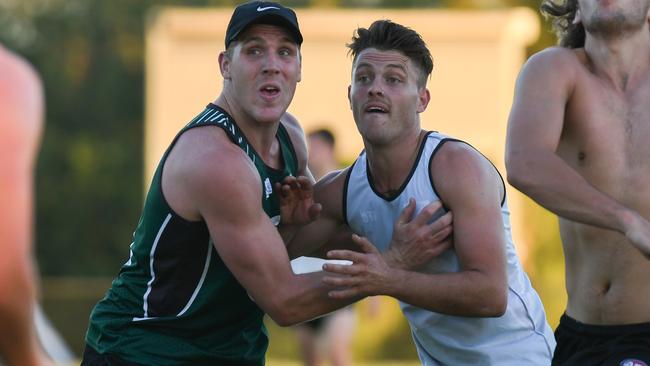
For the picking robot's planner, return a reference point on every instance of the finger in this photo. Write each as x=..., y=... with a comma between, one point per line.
x=314, y=211
x=344, y=269
x=344, y=294
x=407, y=213
x=285, y=191
x=340, y=281
x=364, y=244
x=427, y=213
x=289, y=179
x=305, y=183
x=442, y=234
x=441, y=247
x=346, y=255
x=442, y=222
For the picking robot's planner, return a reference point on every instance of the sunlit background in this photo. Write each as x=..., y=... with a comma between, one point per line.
x=93, y=56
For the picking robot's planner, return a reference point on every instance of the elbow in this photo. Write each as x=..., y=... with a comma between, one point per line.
x=284, y=311
x=496, y=308
x=283, y=320
x=495, y=303
x=518, y=172
x=282, y=315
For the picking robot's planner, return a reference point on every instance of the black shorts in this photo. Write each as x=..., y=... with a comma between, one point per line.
x=94, y=358
x=582, y=344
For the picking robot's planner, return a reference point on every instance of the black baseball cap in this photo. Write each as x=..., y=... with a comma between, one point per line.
x=262, y=12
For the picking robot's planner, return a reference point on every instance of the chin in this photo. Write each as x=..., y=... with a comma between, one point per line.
x=270, y=116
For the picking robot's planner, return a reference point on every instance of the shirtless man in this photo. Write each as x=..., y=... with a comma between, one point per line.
x=21, y=120
x=578, y=145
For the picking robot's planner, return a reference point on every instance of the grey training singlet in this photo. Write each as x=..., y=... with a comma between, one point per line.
x=520, y=337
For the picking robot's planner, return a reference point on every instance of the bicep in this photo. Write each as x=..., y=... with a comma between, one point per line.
x=243, y=235
x=471, y=189
x=537, y=115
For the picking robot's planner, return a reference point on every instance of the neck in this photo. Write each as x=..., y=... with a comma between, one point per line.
x=260, y=135
x=623, y=59
x=390, y=164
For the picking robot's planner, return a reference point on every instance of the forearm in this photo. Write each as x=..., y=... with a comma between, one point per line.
x=466, y=293
x=317, y=238
x=305, y=298
x=553, y=184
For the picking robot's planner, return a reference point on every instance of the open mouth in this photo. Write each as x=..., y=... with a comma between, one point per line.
x=270, y=91
x=376, y=109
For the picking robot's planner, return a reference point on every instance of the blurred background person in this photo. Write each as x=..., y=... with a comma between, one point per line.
x=322, y=157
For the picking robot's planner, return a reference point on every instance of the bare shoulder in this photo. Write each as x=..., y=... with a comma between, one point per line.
x=462, y=167
x=329, y=192
x=298, y=140
x=204, y=170
x=556, y=61
x=333, y=181
x=457, y=156
x=21, y=101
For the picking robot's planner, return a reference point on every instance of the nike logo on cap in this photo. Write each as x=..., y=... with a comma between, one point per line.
x=266, y=8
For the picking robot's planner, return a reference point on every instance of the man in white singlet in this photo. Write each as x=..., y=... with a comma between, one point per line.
x=472, y=304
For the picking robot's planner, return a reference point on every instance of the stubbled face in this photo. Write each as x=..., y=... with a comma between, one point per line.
x=261, y=73
x=613, y=16
x=384, y=96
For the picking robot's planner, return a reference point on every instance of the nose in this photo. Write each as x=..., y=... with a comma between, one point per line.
x=376, y=88
x=271, y=64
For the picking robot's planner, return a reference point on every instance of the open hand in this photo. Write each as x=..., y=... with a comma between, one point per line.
x=297, y=206
x=416, y=241
x=367, y=275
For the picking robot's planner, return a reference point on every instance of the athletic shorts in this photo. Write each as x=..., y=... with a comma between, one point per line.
x=582, y=344
x=94, y=358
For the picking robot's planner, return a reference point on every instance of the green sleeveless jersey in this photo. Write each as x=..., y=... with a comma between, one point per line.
x=174, y=301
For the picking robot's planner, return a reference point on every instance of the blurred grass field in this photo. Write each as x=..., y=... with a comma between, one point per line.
x=373, y=363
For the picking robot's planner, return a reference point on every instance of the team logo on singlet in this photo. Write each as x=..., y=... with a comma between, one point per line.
x=632, y=362
x=268, y=188
x=276, y=220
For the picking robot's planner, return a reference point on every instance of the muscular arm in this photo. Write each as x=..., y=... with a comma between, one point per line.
x=471, y=189
x=537, y=118
x=248, y=242
x=21, y=113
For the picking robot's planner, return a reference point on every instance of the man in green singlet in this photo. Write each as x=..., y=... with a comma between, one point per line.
x=208, y=259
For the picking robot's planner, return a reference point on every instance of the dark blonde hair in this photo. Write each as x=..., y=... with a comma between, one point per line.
x=569, y=35
x=385, y=35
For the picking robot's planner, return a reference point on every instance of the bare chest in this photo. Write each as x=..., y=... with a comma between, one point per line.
x=606, y=137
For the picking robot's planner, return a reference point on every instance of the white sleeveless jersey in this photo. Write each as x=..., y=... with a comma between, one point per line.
x=520, y=337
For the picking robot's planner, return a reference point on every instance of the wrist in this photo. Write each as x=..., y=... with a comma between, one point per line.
x=626, y=219
x=395, y=280
x=392, y=259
